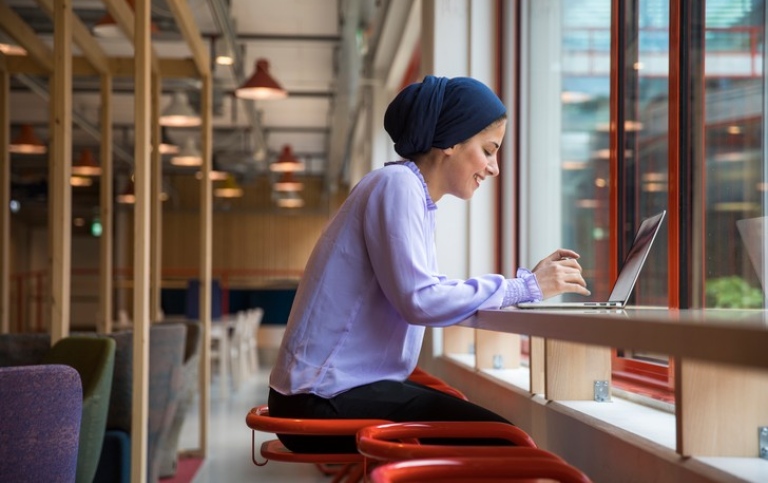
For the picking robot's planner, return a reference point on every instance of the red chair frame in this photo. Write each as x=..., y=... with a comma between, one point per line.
x=258, y=419
x=462, y=469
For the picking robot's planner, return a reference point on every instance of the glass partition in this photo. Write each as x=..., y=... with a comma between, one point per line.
x=734, y=154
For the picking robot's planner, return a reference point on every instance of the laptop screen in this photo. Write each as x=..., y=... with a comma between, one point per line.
x=641, y=246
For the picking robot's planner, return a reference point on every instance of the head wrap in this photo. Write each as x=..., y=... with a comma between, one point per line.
x=440, y=112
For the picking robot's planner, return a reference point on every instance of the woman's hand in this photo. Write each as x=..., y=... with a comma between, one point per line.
x=560, y=273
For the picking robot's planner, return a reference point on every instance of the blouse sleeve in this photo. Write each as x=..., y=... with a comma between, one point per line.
x=396, y=227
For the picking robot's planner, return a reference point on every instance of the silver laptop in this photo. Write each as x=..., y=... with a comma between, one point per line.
x=627, y=278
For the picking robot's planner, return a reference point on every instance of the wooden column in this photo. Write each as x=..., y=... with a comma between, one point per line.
x=143, y=112
x=206, y=245
x=59, y=190
x=106, y=212
x=156, y=207
x=5, y=199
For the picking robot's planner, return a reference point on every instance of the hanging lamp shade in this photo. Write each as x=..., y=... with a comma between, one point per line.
x=167, y=146
x=288, y=182
x=189, y=155
x=81, y=181
x=287, y=162
x=224, y=55
x=261, y=85
x=8, y=48
x=290, y=199
x=86, y=164
x=216, y=174
x=179, y=113
x=230, y=189
x=106, y=27
x=128, y=195
x=27, y=142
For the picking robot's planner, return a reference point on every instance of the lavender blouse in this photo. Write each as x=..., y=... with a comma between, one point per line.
x=371, y=286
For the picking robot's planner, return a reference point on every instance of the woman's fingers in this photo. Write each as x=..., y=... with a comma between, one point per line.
x=558, y=274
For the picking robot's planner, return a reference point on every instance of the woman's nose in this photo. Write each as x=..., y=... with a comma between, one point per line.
x=493, y=168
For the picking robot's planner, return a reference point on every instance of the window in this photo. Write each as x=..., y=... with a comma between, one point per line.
x=710, y=166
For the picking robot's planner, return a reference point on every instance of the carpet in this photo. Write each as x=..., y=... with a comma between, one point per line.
x=186, y=469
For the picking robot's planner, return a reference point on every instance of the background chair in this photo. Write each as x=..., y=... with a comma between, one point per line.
x=166, y=352
x=258, y=419
x=94, y=360
x=23, y=349
x=190, y=371
x=40, y=411
x=458, y=469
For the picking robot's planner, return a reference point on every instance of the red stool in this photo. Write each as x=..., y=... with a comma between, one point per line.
x=400, y=441
x=258, y=419
x=420, y=376
x=477, y=469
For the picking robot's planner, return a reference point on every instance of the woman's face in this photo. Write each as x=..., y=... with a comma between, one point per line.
x=472, y=161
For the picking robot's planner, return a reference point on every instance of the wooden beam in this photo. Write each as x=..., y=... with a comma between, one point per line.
x=142, y=142
x=125, y=18
x=22, y=33
x=156, y=208
x=60, y=192
x=186, y=23
x=117, y=67
x=106, y=212
x=206, y=248
x=5, y=199
x=83, y=38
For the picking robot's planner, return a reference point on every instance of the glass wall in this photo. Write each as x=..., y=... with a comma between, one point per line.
x=734, y=153
x=565, y=169
x=691, y=135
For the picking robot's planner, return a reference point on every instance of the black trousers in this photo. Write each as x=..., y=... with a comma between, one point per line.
x=390, y=400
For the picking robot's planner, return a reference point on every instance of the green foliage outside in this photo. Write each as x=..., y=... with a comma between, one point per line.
x=734, y=293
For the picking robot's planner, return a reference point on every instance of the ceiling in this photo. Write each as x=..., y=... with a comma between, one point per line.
x=315, y=49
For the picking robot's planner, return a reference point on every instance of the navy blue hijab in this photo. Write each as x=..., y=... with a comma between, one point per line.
x=440, y=112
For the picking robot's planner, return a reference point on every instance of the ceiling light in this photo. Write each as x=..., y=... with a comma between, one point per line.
x=80, y=181
x=261, y=85
x=216, y=173
x=230, y=189
x=128, y=196
x=290, y=199
x=179, y=113
x=27, y=142
x=189, y=155
x=224, y=55
x=287, y=162
x=12, y=49
x=106, y=27
x=288, y=183
x=167, y=146
x=86, y=165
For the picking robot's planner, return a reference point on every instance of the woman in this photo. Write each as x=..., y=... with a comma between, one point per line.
x=371, y=285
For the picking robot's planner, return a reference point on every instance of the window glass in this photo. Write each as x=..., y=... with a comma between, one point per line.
x=735, y=158
x=564, y=182
x=643, y=172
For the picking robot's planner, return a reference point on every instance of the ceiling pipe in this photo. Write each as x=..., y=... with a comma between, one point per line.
x=41, y=90
x=220, y=13
x=345, y=95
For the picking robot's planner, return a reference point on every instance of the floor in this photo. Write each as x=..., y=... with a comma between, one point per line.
x=229, y=446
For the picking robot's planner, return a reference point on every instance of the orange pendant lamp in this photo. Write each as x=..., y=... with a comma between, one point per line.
x=287, y=162
x=86, y=164
x=27, y=142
